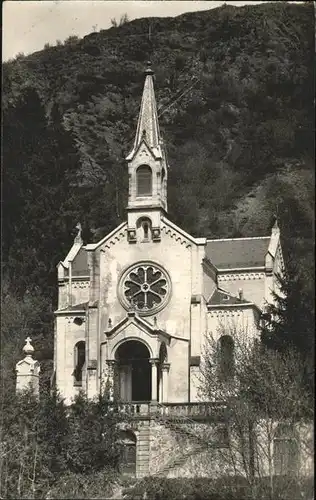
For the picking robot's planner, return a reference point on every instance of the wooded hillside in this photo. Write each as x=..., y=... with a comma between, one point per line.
x=235, y=92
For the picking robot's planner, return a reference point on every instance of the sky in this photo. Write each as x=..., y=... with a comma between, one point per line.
x=28, y=25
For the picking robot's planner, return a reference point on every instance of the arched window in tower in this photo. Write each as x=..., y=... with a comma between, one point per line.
x=144, y=181
x=226, y=362
x=80, y=359
x=285, y=451
x=144, y=229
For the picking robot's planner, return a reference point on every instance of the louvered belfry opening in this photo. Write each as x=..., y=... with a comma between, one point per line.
x=144, y=181
x=134, y=371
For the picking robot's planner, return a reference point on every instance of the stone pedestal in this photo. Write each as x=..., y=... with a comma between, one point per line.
x=28, y=370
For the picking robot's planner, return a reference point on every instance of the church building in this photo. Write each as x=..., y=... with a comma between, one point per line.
x=134, y=308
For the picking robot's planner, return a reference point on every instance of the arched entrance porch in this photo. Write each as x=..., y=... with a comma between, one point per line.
x=134, y=371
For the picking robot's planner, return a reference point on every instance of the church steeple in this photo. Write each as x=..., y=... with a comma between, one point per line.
x=148, y=126
x=147, y=163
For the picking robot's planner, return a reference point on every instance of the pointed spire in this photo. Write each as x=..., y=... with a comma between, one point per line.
x=78, y=238
x=148, y=126
x=275, y=227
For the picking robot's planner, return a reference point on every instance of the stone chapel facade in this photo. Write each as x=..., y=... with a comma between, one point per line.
x=134, y=308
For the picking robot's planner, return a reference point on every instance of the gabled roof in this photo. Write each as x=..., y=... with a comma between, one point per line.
x=221, y=297
x=94, y=246
x=133, y=318
x=71, y=254
x=177, y=229
x=80, y=264
x=238, y=252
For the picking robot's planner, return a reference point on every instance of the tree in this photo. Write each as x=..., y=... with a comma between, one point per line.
x=47, y=448
x=265, y=390
x=20, y=457
x=40, y=160
x=92, y=440
x=123, y=20
x=289, y=323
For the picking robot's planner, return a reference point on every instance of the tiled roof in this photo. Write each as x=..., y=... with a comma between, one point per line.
x=238, y=252
x=221, y=297
x=80, y=264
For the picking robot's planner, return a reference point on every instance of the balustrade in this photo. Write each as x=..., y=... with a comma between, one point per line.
x=134, y=407
x=171, y=410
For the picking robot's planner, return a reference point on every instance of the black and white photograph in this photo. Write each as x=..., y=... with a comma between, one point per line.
x=157, y=258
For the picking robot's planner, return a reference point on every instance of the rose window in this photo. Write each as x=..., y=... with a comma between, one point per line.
x=145, y=287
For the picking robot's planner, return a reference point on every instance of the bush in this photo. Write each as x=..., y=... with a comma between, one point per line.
x=156, y=488
x=43, y=440
x=98, y=485
x=224, y=488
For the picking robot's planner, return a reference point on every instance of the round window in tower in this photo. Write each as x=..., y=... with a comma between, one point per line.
x=145, y=287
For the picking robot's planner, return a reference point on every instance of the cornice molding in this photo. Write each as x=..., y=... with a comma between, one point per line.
x=176, y=236
x=251, y=269
x=187, y=238
x=241, y=276
x=80, y=284
x=232, y=312
x=71, y=314
x=118, y=237
x=111, y=238
x=85, y=278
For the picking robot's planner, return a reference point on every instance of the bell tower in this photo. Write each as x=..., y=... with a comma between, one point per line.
x=147, y=169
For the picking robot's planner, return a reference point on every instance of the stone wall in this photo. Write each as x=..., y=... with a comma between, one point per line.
x=236, y=319
x=173, y=454
x=68, y=334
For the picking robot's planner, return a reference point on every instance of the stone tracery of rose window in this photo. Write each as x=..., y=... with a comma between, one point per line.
x=145, y=287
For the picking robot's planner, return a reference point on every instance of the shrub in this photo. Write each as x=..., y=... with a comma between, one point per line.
x=156, y=488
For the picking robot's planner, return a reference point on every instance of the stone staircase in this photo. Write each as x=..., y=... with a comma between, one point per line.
x=143, y=449
x=175, y=463
x=183, y=425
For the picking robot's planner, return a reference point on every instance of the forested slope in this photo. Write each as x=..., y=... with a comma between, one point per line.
x=235, y=92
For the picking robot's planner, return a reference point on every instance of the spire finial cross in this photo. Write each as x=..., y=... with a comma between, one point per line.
x=28, y=348
x=149, y=71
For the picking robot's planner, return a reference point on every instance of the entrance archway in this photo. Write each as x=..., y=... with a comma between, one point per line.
x=127, y=442
x=134, y=371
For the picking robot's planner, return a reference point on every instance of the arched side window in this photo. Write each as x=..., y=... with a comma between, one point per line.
x=226, y=362
x=80, y=359
x=144, y=181
x=127, y=441
x=285, y=451
x=163, y=353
